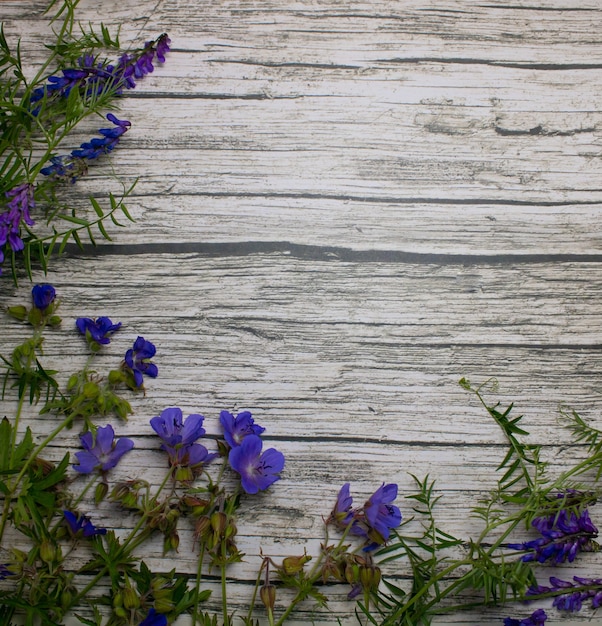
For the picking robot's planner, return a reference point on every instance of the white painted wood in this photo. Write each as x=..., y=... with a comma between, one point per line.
x=343, y=208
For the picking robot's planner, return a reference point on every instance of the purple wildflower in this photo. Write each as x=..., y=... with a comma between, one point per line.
x=237, y=428
x=374, y=520
x=43, y=296
x=563, y=536
x=537, y=618
x=138, y=360
x=101, y=453
x=578, y=592
x=179, y=437
x=110, y=138
x=154, y=619
x=81, y=525
x=98, y=330
x=20, y=202
x=342, y=514
x=257, y=470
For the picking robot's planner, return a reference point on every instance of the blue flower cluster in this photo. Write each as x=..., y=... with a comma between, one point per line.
x=92, y=78
x=258, y=470
x=537, y=618
x=179, y=439
x=583, y=590
x=19, y=205
x=374, y=521
x=563, y=536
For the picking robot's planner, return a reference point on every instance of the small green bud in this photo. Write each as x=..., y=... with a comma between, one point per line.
x=164, y=604
x=118, y=599
x=35, y=317
x=91, y=390
x=183, y=474
x=172, y=541
x=54, y=320
x=116, y=377
x=18, y=312
x=101, y=491
x=267, y=593
x=120, y=612
x=72, y=382
x=48, y=551
x=66, y=597
x=131, y=599
x=294, y=564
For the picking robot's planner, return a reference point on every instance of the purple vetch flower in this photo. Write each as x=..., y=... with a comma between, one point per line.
x=257, y=470
x=110, y=138
x=81, y=525
x=20, y=203
x=154, y=619
x=237, y=428
x=102, y=452
x=43, y=296
x=179, y=437
x=563, y=536
x=577, y=592
x=537, y=618
x=99, y=330
x=138, y=360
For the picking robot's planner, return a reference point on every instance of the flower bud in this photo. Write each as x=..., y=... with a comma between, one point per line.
x=100, y=492
x=116, y=377
x=370, y=577
x=18, y=312
x=172, y=541
x=54, y=320
x=294, y=564
x=130, y=599
x=219, y=522
x=90, y=390
x=163, y=602
x=118, y=599
x=267, y=593
x=183, y=474
x=196, y=505
x=48, y=551
x=66, y=597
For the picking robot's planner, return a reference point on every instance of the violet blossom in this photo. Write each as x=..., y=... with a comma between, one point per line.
x=98, y=330
x=257, y=470
x=179, y=438
x=237, y=428
x=43, y=296
x=101, y=453
x=577, y=592
x=138, y=360
x=19, y=205
x=81, y=525
x=537, y=618
x=563, y=536
x=154, y=619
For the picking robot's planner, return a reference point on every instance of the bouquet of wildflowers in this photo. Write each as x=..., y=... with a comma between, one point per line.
x=38, y=114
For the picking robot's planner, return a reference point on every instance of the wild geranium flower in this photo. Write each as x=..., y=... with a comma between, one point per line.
x=98, y=330
x=101, y=453
x=179, y=438
x=537, y=618
x=138, y=360
x=154, y=619
x=237, y=428
x=374, y=521
x=257, y=470
x=563, y=536
x=577, y=592
x=81, y=525
x=342, y=514
x=43, y=296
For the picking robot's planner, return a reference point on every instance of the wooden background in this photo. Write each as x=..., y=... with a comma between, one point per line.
x=342, y=208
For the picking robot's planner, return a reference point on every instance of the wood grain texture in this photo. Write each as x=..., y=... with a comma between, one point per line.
x=343, y=208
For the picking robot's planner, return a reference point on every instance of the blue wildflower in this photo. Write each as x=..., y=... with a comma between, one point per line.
x=20, y=203
x=342, y=514
x=81, y=525
x=537, y=618
x=179, y=438
x=101, y=453
x=257, y=470
x=99, y=330
x=237, y=428
x=154, y=619
x=563, y=536
x=43, y=296
x=138, y=360
x=110, y=138
x=577, y=592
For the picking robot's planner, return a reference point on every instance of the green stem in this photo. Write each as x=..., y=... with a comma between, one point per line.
x=224, y=585
x=197, y=585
